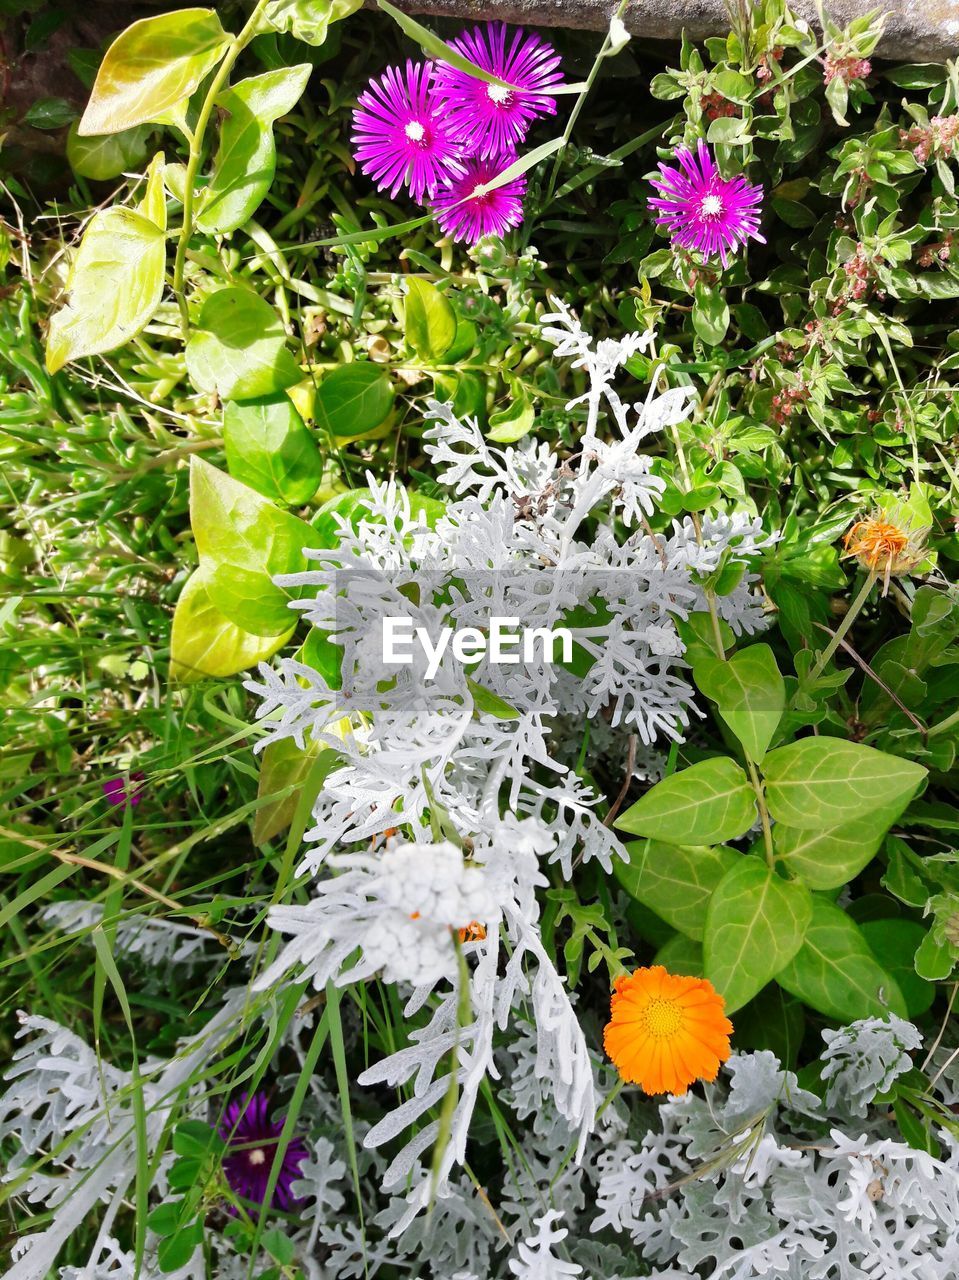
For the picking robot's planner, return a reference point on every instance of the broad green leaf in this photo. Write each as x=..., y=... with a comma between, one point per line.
x=825, y=858
x=246, y=158
x=827, y=782
x=308, y=20
x=835, y=972
x=205, y=643
x=673, y=881
x=773, y=1020
x=283, y=764
x=682, y=956
x=353, y=399
x=115, y=285
x=429, y=321
x=151, y=67
x=108, y=155
x=749, y=692
x=243, y=542
x=239, y=348
x=935, y=959
x=755, y=924
x=153, y=203
x=490, y=704
x=710, y=313
x=269, y=448
x=708, y=803
x=510, y=425
x=894, y=943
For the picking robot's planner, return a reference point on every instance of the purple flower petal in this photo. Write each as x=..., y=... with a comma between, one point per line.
x=251, y=1138
x=400, y=135
x=488, y=120
x=467, y=211
x=703, y=210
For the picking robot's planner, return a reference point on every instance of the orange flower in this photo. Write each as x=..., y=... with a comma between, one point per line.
x=666, y=1031
x=474, y=932
x=884, y=547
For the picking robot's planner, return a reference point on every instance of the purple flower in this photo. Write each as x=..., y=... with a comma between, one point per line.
x=123, y=791
x=467, y=211
x=400, y=135
x=702, y=209
x=251, y=1138
x=488, y=120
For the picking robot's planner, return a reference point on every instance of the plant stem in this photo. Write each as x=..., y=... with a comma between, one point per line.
x=234, y=50
x=840, y=632
x=763, y=814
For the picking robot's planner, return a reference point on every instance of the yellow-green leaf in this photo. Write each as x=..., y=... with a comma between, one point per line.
x=115, y=285
x=205, y=643
x=151, y=66
x=238, y=348
x=827, y=782
x=749, y=692
x=429, y=321
x=708, y=803
x=755, y=923
x=835, y=972
x=674, y=881
x=246, y=157
x=825, y=858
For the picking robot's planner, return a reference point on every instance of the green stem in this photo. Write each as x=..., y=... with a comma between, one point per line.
x=234, y=50
x=943, y=725
x=578, y=106
x=763, y=814
x=843, y=627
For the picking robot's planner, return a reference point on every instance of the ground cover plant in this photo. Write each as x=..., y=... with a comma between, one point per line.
x=636, y=963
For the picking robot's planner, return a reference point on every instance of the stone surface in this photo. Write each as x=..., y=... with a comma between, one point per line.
x=916, y=30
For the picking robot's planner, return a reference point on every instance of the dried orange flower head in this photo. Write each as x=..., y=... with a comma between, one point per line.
x=884, y=543
x=666, y=1031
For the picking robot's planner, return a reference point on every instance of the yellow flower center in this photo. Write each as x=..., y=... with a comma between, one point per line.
x=662, y=1018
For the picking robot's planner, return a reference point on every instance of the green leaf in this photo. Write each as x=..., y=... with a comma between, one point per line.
x=673, y=881
x=710, y=313
x=246, y=158
x=774, y=1020
x=308, y=20
x=894, y=943
x=755, y=924
x=429, y=322
x=48, y=113
x=205, y=643
x=827, y=782
x=708, y=803
x=353, y=398
x=269, y=448
x=509, y=425
x=175, y=1251
x=114, y=285
x=749, y=692
x=935, y=959
x=282, y=765
x=108, y=155
x=682, y=956
x=239, y=348
x=490, y=704
x=150, y=67
x=825, y=858
x=835, y=972
x=244, y=542
x=279, y=1246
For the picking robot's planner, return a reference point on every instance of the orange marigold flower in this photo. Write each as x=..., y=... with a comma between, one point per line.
x=884, y=546
x=666, y=1031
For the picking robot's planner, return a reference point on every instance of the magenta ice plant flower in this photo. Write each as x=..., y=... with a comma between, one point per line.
x=251, y=1138
x=124, y=791
x=488, y=119
x=401, y=135
x=467, y=210
x=702, y=209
